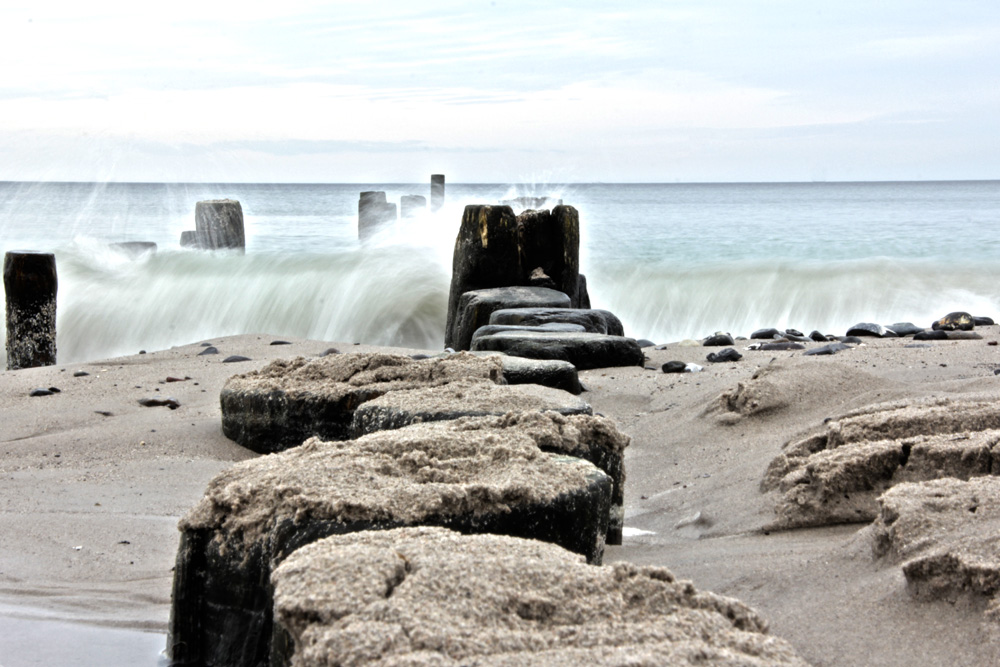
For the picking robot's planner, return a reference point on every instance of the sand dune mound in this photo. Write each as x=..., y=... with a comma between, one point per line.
x=836, y=475
x=429, y=596
x=946, y=535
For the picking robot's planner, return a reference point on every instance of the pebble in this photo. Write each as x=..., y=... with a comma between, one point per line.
x=328, y=351
x=832, y=348
x=728, y=354
x=80, y=374
x=644, y=342
x=936, y=334
x=280, y=342
x=674, y=367
x=234, y=358
x=719, y=339
x=783, y=346
x=41, y=391
x=171, y=403
x=209, y=350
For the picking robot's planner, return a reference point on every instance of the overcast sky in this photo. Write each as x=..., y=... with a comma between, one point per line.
x=499, y=91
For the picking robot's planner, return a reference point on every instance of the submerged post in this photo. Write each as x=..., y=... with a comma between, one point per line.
x=374, y=212
x=437, y=191
x=30, y=283
x=219, y=225
x=411, y=205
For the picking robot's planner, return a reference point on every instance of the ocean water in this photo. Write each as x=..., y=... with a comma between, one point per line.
x=673, y=261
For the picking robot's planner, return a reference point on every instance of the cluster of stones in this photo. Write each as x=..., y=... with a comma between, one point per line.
x=953, y=326
x=517, y=288
x=926, y=475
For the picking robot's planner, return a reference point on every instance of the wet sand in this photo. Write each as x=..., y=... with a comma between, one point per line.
x=94, y=484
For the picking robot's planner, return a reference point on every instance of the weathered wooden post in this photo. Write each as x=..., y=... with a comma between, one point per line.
x=30, y=283
x=219, y=225
x=411, y=205
x=437, y=191
x=189, y=239
x=374, y=212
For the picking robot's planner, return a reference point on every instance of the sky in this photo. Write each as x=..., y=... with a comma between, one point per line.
x=497, y=91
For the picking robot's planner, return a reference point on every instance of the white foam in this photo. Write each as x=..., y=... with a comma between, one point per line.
x=635, y=532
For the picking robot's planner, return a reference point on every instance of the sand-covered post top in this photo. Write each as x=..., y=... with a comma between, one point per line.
x=30, y=283
x=219, y=225
x=437, y=191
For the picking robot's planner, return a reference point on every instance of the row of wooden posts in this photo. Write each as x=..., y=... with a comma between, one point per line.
x=31, y=282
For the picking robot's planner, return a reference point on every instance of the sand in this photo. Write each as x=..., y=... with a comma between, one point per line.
x=93, y=485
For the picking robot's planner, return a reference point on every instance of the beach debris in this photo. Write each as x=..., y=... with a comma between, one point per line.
x=583, y=350
x=211, y=349
x=476, y=475
x=832, y=348
x=726, y=355
x=289, y=400
x=30, y=285
x=837, y=474
x=515, y=602
x=953, y=322
x=171, y=403
x=234, y=358
x=943, y=533
x=719, y=339
x=867, y=329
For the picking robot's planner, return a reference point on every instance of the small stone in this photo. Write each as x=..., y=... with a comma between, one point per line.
x=328, y=351
x=867, y=329
x=235, y=358
x=936, y=334
x=718, y=339
x=41, y=391
x=728, y=354
x=818, y=337
x=904, y=328
x=674, y=367
x=983, y=321
x=171, y=403
x=765, y=334
x=208, y=350
x=80, y=374
x=170, y=378
x=954, y=321
x=832, y=348
x=645, y=342
x=280, y=342
x=783, y=346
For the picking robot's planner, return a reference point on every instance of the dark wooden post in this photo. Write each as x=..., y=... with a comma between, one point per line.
x=437, y=191
x=30, y=283
x=219, y=224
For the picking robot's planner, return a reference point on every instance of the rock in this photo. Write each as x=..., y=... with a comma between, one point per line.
x=490, y=329
x=80, y=374
x=171, y=403
x=728, y=354
x=794, y=333
x=765, y=334
x=233, y=358
x=41, y=391
x=836, y=475
x=719, y=339
x=983, y=321
x=279, y=342
x=219, y=225
x=904, y=328
x=583, y=350
x=674, y=367
x=937, y=334
x=494, y=249
x=645, y=342
x=553, y=373
x=819, y=337
x=208, y=350
x=483, y=475
x=460, y=398
x=963, y=335
x=490, y=600
x=851, y=340
x=943, y=532
x=832, y=348
x=476, y=306
x=592, y=320
x=867, y=329
x=290, y=400
x=954, y=321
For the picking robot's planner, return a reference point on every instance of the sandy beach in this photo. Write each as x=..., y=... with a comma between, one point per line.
x=94, y=484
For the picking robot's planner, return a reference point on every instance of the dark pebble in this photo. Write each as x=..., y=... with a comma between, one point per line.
x=867, y=329
x=328, y=351
x=234, y=358
x=171, y=403
x=643, y=342
x=142, y=351
x=936, y=334
x=904, y=328
x=171, y=378
x=718, y=340
x=674, y=367
x=728, y=354
x=280, y=342
x=55, y=390
x=208, y=350
x=206, y=345
x=794, y=332
x=41, y=391
x=983, y=321
x=80, y=374
x=765, y=334
x=104, y=413
x=418, y=357
x=818, y=337
x=853, y=340
x=952, y=321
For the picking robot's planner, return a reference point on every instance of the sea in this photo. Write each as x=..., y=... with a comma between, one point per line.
x=672, y=260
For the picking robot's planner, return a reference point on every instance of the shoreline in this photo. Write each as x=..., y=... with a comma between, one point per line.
x=115, y=485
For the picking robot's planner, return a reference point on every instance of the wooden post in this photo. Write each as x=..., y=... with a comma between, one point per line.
x=30, y=283
x=437, y=191
x=219, y=223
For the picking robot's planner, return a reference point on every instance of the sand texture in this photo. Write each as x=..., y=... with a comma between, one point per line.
x=429, y=596
x=701, y=446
